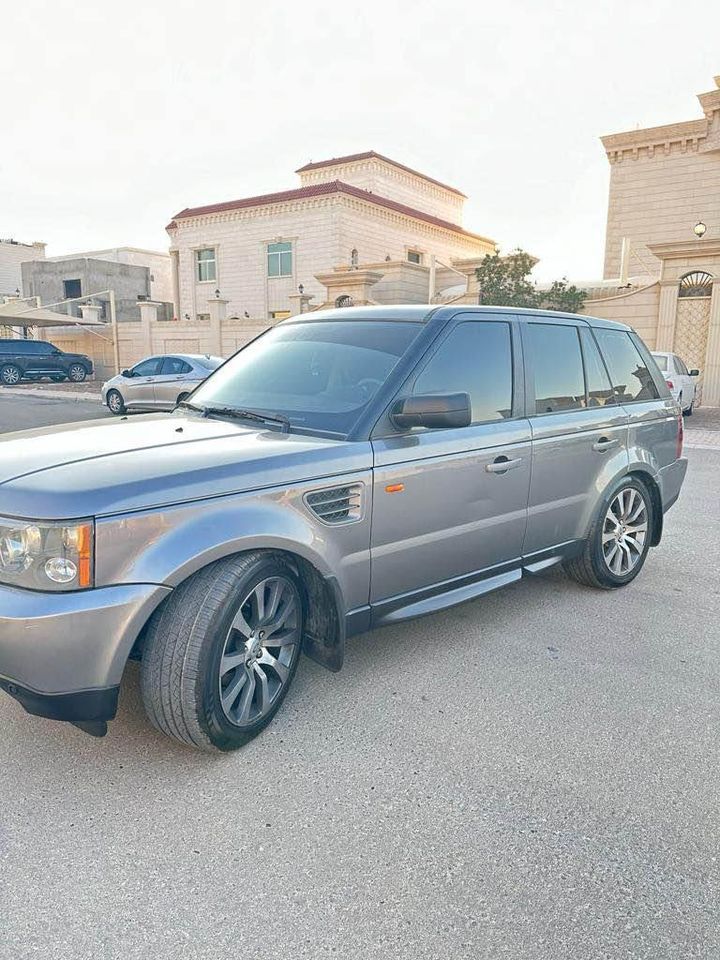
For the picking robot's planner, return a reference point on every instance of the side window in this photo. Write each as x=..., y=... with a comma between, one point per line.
x=147, y=368
x=476, y=358
x=631, y=378
x=557, y=362
x=599, y=388
x=680, y=366
x=174, y=365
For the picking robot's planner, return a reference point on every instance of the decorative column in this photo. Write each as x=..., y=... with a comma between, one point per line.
x=711, y=373
x=175, y=266
x=148, y=319
x=667, y=313
x=217, y=308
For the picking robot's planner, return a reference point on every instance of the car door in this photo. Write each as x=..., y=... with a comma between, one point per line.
x=175, y=377
x=445, y=512
x=139, y=389
x=579, y=431
x=687, y=383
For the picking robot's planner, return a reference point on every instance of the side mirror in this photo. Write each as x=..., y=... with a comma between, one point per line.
x=441, y=410
x=694, y=373
x=126, y=373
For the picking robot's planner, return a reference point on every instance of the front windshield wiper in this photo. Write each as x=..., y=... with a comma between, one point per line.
x=257, y=416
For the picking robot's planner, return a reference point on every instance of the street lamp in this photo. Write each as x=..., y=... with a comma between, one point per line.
x=699, y=229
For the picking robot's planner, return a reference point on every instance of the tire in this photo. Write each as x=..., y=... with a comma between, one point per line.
x=77, y=373
x=115, y=402
x=10, y=374
x=592, y=567
x=689, y=411
x=212, y=619
x=58, y=378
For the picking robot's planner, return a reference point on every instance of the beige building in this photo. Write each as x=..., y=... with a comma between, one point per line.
x=361, y=228
x=662, y=254
x=12, y=255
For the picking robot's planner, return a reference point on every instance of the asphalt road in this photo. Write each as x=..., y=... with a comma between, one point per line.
x=532, y=776
x=24, y=413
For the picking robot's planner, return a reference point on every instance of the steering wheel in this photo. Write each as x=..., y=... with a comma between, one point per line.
x=369, y=385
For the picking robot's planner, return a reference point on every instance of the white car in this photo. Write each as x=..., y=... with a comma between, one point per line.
x=681, y=381
x=157, y=383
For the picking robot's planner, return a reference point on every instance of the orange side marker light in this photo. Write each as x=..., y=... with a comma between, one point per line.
x=395, y=488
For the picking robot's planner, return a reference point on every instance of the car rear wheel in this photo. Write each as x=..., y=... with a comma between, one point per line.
x=58, y=378
x=222, y=651
x=619, y=541
x=10, y=374
x=689, y=411
x=115, y=402
x=77, y=373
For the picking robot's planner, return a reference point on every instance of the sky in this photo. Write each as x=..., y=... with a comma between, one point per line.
x=114, y=116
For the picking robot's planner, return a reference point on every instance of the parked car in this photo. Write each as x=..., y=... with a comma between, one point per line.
x=33, y=359
x=158, y=383
x=681, y=382
x=348, y=469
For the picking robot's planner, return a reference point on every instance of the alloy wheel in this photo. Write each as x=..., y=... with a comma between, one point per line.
x=10, y=376
x=77, y=373
x=625, y=530
x=260, y=647
x=114, y=401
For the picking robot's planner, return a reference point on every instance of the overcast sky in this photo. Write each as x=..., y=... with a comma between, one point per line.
x=114, y=116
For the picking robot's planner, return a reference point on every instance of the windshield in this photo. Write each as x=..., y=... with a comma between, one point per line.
x=662, y=360
x=320, y=375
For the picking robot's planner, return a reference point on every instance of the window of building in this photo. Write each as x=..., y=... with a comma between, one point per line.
x=476, y=358
x=698, y=283
x=203, y=318
x=206, y=264
x=630, y=377
x=279, y=259
x=354, y=257
x=414, y=256
x=71, y=289
x=558, y=367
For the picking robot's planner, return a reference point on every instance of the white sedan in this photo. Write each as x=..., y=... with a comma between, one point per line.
x=681, y=381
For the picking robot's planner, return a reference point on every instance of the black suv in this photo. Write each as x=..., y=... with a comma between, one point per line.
x=32, y=359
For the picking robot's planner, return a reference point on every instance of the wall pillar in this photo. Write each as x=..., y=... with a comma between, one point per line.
x=217, y=308
x=90, y=313
x=175, y=267
x=711, y=373
x=667, y=312
x=148, y=319
x=300, y=302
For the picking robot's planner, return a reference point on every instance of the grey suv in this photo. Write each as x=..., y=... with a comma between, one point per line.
x=348, y=469
x=32, y=359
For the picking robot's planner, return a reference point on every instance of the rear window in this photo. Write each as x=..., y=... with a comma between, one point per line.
x=631, y=379
x=662, y=360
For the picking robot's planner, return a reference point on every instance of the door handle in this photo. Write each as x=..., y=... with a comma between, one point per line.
x=502, y=465
x=604, y=444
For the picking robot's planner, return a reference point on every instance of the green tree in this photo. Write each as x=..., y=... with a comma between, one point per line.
x=505, y=282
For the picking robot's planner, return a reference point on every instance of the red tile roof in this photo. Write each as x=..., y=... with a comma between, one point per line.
x=372, y=155
x=319, y=190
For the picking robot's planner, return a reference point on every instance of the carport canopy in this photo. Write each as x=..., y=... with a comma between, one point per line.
x=17, y=313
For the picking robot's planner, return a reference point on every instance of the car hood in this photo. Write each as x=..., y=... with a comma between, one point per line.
x=98, y=468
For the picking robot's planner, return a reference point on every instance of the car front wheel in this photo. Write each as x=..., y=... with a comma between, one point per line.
x=222, y=651
x=619, y=541
x=77, y=373
x=115, y=402
x=10, y=374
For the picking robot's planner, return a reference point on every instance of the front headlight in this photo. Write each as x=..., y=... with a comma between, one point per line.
x=46, y=556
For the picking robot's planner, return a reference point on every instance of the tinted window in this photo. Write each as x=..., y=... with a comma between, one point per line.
x=147, y=368
x=319, y=374
x=680, y=366
x=476, y=358
x=176, y=366
x=557, y=362
x=33, y=347
x=599, y=389
x=631, y=379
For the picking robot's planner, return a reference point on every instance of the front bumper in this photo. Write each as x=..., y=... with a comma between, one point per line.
x=62, y=655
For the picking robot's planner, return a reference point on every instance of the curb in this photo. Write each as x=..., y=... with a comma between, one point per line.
x=50, y=394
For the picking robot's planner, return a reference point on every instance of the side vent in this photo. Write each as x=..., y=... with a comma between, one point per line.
x=336, y=504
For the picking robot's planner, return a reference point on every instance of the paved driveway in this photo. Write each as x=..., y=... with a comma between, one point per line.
x=532, y=776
